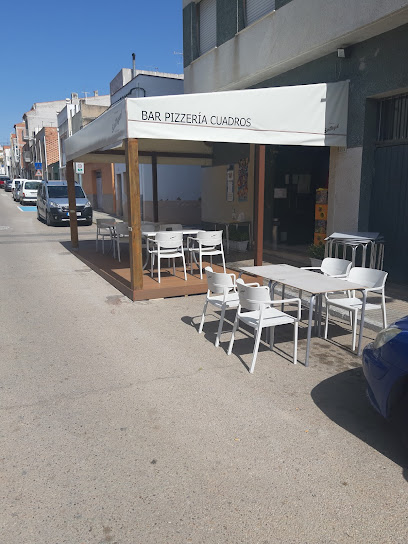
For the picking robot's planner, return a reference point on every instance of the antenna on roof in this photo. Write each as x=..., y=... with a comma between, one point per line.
x=133, y=65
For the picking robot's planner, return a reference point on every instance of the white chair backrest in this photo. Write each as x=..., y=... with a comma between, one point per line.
x=104, y=223
x=250, y=296
x=210, y=238
x=218, y=282
x=169, y=240
x=171, y=226
x=370, y=278
x=335, y=267
x=122, y=229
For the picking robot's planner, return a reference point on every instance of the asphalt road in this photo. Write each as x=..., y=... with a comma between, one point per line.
x=121, y=424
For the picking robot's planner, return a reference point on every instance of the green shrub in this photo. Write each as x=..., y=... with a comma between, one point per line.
x=316, y=251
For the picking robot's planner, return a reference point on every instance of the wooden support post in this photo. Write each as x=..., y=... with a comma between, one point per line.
x=73, y=222
x=259, y=203
x=155, y=191
x=134, y=215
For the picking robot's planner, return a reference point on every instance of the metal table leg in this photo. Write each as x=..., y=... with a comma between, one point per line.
x=309, y=329
x=360, y=338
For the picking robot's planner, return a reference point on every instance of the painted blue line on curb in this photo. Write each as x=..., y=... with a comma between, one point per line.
x=28, y=208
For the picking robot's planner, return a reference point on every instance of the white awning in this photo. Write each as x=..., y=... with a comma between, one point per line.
x=311, y=115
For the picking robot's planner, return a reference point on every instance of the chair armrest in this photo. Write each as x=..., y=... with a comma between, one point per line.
x=285, y=300
x=377, y=290
x=289, y=301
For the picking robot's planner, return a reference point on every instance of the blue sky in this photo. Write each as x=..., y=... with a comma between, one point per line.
x=50, y=49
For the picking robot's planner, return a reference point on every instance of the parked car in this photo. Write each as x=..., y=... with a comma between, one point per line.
x=14, y=185
x=3, y=180
x=53, y=205
x=28, y=191
x=7, y=186
x=385, y=366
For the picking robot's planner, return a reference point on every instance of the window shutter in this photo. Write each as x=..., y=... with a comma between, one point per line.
x=255, y=9
x=208, y=25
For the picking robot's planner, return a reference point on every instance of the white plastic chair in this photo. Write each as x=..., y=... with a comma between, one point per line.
x=261, y=314
x=206, y=243
x=331, y=266
x=374, y=282
x=120, y=233
x=104, y=229
x=166, y=245
x=222, y=293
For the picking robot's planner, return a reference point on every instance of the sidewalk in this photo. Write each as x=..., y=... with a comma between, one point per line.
x=396, y=295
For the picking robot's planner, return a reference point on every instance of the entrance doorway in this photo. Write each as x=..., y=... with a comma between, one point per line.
x=293, y=174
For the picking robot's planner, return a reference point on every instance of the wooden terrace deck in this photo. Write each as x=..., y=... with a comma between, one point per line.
x=118, y=274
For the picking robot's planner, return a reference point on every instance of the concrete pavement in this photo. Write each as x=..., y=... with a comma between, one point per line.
x=121, y=424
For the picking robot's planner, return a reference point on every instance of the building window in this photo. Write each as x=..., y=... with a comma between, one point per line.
x=207, y=25
x=392, y=120
x=255, y=9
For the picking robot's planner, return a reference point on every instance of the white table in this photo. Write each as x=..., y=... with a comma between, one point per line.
x=311, y=282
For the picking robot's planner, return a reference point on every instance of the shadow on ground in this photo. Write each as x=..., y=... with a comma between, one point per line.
x=343, y=399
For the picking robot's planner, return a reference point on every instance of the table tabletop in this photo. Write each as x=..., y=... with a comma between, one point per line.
x=152, y=234
x=298, y=278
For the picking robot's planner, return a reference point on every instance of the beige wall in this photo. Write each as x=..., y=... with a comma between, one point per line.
x=214, y=205
x=344, y=189
x=186, y=212
x=108, y=185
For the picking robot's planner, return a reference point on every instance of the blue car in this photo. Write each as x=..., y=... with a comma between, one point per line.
x=385, y=366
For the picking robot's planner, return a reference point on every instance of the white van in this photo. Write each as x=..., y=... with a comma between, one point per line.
x=28, y=191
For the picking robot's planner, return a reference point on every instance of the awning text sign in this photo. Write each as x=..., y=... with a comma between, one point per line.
x=299, y=115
